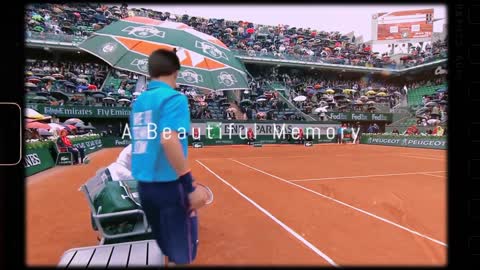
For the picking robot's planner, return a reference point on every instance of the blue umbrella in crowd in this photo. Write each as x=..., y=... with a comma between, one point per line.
x=82, y=87
x=100, y=18
x=311, y=91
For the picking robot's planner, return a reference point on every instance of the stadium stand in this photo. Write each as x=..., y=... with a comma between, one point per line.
x=79, y=20
x=100, y=85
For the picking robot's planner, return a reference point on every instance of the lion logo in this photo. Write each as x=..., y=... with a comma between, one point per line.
x=226, y=78
x=144, y=31
x=141, y=64
x=190, y=76
x=210, y=50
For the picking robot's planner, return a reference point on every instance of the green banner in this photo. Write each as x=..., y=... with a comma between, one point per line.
x=124, y=112
x=430, y=142
x=115, y=142
x=360, y=116
x=37, y=160
x=90, y=146
x=264, y=139
x=277, y=129
x=236, y=132
x=214, y=130
x=81, y=111
x=64, y=159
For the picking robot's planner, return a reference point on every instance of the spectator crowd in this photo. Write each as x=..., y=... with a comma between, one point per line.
x=304, y=93
x=247, y=38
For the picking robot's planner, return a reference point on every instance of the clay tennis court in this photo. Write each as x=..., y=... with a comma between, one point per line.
x=325, y=205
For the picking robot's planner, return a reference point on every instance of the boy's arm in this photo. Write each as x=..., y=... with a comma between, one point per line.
x=178, y=121
x=174, y=152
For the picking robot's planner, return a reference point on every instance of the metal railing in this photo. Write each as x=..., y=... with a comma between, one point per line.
x=292, y=106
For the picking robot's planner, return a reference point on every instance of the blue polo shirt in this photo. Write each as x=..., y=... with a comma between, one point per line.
x=339, y=130
x=159, y=108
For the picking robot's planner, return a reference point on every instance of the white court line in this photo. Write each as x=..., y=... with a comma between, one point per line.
x=418, y=154
x=423, y=157
x=360, y=176
x=310, y=156
x=288, y=229
x=434, y=175
x=345, y=204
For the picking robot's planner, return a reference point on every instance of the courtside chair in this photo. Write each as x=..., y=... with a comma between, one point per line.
x=62, y=152
x=91, y=189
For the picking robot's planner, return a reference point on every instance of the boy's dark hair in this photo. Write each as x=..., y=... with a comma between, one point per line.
x=162, y=63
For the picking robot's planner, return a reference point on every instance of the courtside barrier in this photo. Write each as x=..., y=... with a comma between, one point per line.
x=235, y=132
x=41, y=155
x=37, y=159
x=415, y=141
x=114, y=142
x=205, y=140
x=90, y=112
x=90, y=145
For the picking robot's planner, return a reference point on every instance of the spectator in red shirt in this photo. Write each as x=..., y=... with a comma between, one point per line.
x=412, y=130
x=300, y=135
x=196, y=135
x=64, y=142
x=250, y=136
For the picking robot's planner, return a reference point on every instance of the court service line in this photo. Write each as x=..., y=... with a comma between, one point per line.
x=417, y=154
x=423, y=154
x=439, y=176
x=259, y=157
x=283, y=225
x=420, y=157
x=345, y=204
x=360, y=176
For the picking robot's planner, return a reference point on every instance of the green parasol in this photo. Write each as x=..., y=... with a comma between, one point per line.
x=206, y=61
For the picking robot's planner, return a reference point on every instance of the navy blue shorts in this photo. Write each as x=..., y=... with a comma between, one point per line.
x=174, y=227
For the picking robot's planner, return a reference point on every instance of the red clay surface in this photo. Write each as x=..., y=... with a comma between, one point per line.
x=362, y=205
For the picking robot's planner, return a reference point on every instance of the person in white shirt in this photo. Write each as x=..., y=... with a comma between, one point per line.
x=121, y=169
